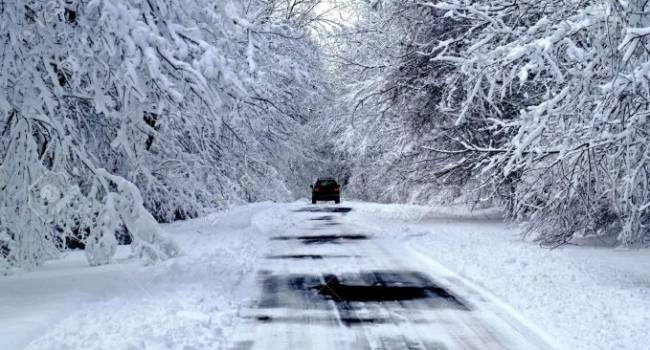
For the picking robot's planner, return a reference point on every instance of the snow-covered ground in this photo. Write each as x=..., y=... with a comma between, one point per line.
x=584, y=298
x=187, y=303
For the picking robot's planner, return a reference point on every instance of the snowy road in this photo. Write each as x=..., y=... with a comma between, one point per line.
x=328, y=283
x=373, y=279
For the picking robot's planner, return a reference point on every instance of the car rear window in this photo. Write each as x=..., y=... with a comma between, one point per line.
x=326, y=183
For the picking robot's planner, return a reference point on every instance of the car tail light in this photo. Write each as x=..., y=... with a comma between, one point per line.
x=316, y=189
x=336, y=189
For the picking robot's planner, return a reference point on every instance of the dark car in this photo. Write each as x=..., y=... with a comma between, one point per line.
x=326, y=189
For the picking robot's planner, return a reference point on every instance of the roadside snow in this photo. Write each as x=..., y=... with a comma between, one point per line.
x=190, y=302
x=584, y=297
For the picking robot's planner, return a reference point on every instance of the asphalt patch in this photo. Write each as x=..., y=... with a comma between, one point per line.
x=325, y=209
x=296, y=257
x=332, y=320
x=306, y=256
x=354, y=294
x=322, y=239
x=330, y=223
x=323, y=218
x=382, y=287
x=401, y=342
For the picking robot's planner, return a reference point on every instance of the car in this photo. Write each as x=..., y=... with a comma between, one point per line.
x=325, y=189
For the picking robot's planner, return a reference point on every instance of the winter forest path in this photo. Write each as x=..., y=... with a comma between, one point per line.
x=328, y=283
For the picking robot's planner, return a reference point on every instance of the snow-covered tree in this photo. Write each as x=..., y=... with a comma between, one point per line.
x=117, y=111
x=538, y=105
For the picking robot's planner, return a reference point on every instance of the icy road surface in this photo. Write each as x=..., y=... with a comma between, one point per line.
x=326, y=283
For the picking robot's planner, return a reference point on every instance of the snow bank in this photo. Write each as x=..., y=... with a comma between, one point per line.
x=189, y=302
x=417, y=213
x=585, y=298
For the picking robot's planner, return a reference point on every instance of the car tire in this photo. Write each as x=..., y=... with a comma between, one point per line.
x=337, y=201
x=313, y=201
